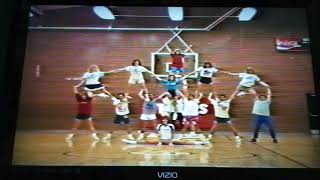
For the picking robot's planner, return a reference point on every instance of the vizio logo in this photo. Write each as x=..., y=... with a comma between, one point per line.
x=167, y=175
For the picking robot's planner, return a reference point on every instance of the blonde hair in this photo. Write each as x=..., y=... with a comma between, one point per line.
x=96, y=66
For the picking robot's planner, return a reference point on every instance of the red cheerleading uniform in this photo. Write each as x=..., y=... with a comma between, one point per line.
x=177, y=60
x=84, y=105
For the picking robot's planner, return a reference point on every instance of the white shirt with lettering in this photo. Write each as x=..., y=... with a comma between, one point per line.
x=221, y=108
x=207, y=72
x=191, y=107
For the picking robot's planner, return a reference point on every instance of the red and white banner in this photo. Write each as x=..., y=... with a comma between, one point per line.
x=206, y=114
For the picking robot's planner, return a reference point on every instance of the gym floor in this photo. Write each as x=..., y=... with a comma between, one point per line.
x=294, y=150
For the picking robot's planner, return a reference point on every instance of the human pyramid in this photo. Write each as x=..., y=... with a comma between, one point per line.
x=180, y=107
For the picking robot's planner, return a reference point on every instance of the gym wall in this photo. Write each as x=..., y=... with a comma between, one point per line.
x=47, y=101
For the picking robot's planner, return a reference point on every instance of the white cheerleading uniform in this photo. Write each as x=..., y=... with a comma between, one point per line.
x=92, y=82
x=136, y=76
x=165, y=131
x=248, y=80
x=221, y=108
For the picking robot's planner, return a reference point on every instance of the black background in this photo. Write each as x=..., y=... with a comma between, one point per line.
x=12, y=41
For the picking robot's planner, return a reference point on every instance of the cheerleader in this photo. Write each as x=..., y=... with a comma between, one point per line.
x=172, y=85
x=121, y=103
x=84, y=113
x=191, y=111
x=221, y=106
x=248, y=80
x=149, y=111
x=206, y=73
x=136, y=77
x=177, y=63
x=91, y=81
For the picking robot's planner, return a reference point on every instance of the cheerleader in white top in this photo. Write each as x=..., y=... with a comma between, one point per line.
x=121, y=104
x=136, y=71
x=165, y=131
x=191, y=111
x=91, y=81
x=248, y=81
x=221, y=105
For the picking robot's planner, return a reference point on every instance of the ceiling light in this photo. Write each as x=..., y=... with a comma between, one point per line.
x=247, y=14
x=103, y=12
x=175, y=13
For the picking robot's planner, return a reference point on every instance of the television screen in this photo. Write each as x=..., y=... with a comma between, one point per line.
x=158, y=86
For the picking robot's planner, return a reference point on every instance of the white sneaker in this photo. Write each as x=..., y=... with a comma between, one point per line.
x=141, y=136
x=108, y=136
x=127, y=141
x=205, y=142
x=130, y=137
x=202, y=137
x=238, y=139
x=209, y=136
x=241, y=93
x=94, y=143
x=171, y=144
x=159, y=144
x=70, y=136
x=94, y=136
x=69, y=143
x=103, y=95
x=197, y=143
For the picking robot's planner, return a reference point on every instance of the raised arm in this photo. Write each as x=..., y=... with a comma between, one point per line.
x=214, y=94
x=126, y=95
x=160, y=96
x=181, y=94
x=118, y=70
x=199, y=95
x=158, y=78
x=264, y=84
x=187, y=75
x=148, y=71
x=230, y=73
x=107, y=73
x=269, y=94
x=167, y=47
x=233, y=95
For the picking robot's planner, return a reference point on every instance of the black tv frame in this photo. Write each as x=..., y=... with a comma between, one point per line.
x=11, y=83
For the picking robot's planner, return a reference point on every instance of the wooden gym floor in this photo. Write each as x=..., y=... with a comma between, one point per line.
x=294, y=150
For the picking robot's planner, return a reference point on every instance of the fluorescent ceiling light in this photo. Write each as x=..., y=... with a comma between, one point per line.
x=175, y=13
x=247, y=14
x=103, y=12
